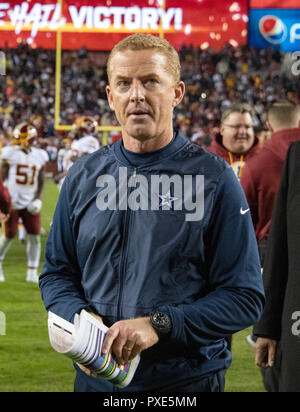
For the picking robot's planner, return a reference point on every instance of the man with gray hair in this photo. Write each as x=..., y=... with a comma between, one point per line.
x=170, y=283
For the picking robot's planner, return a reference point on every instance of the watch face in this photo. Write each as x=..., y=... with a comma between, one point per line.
x=161, y=322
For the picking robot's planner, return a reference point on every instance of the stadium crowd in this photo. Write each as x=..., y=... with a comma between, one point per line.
x=213, y=81
x=226, y=92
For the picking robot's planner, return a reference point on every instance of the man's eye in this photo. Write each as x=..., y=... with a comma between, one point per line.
x=123, y=83
x=151, y=81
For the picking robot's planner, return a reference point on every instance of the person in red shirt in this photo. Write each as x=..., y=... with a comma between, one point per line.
x=236, y=141
x=261, y=175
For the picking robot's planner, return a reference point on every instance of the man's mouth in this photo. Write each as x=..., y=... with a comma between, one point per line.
x=139, y=112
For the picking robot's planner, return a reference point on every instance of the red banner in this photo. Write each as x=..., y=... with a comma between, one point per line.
x=98, y=25
x=274, y=4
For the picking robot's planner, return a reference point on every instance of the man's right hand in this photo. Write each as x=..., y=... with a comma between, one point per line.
x=265, y=350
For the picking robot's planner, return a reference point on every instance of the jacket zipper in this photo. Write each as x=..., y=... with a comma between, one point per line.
x=125, y=242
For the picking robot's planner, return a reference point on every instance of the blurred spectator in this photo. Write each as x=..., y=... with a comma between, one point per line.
x=236, y=141
x=263, y=133
x=51, y=149
x=85, y=138
x=64, y=161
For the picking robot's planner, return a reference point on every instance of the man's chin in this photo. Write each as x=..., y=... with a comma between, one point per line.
x=240, y=149
x=140, y=134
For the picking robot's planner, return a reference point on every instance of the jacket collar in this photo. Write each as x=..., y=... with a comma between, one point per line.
x=178, y=142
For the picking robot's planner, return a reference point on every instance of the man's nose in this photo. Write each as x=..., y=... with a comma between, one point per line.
x=137, y=91
x=243, y=130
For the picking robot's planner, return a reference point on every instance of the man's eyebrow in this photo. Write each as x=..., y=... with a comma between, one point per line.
x=144, y=77
x=121, y=77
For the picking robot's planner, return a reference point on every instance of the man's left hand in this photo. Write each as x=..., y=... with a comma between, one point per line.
x=128, y=338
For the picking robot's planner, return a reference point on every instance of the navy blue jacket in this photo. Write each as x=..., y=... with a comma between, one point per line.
x=108, y=249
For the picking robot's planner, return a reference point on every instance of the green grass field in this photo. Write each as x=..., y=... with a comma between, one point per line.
x=27, y=361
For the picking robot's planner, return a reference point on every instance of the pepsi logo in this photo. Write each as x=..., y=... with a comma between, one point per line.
x=273, y=29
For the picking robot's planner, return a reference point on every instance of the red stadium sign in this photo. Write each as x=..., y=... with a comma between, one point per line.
x=274, y=4
x=98, y=25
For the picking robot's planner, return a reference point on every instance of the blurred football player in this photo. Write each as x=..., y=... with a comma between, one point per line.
x=22, y=170
x=85, y=142
x=64, y=161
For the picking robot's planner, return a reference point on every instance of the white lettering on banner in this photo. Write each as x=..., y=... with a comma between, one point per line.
x=117, y=12
x=150, y=18
x=39, y=17
x=18, y=16
x=295, y=32
x=78, y=18
x=99, y=22
x=3, y=6
x=57, y=20
x=133, y=18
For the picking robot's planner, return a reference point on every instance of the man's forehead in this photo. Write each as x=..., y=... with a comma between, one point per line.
x=246, y=117
x=141, y=60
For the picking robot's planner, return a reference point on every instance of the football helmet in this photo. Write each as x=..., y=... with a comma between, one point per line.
x=85, y=125
x=24, y=135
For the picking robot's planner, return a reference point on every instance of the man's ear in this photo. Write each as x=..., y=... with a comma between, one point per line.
x=221, y=129
x=179, y=93
x=109, y=97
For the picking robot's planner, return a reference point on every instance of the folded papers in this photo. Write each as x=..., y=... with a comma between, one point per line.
x=82, y=342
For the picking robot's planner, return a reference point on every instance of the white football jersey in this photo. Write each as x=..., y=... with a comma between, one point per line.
x=24, y=168
x=87, y=144
x=64, y=161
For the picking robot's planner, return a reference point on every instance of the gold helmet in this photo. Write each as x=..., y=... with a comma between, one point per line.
x=24, y=135
x=85, y=125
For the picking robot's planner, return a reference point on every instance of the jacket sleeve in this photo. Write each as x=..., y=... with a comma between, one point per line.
x=236, y=298
x=60, y=281
x=250, y=190
x=275, y=274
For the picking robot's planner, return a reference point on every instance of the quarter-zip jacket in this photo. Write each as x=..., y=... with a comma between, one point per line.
x=136, y=254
